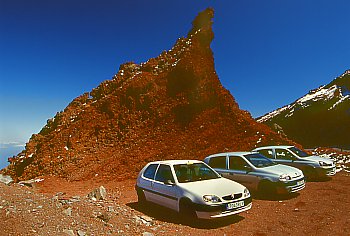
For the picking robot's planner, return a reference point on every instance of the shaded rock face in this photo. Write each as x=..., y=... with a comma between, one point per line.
x=320, y=118
x=170, y=107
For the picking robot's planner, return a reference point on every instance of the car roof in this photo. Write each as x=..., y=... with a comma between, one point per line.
x=230, y=154
x=175, y=162
x=276, y=146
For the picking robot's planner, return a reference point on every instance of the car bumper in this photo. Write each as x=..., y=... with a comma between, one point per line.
x=330, y=171
x=217, y=211
x=325, y=171
x=291, y=186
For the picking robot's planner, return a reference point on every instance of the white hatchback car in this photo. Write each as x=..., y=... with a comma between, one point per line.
x=192, y=188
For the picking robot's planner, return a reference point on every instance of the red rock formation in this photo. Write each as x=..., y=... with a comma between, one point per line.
x=170, y=107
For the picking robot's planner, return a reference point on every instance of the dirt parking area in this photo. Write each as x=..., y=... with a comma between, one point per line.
x=57, y=207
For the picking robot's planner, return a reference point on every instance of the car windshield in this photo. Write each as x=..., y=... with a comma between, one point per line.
x=259, y=160
x=300, y=153
x=194, y=172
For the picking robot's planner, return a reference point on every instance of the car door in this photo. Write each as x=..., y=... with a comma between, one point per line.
x=239, y=170
x=164, y=187
x=147, y=180
x=219, y=164
x=283, y=156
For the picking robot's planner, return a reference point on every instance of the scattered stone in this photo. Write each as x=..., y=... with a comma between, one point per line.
x=146, y=218
x=147, y=234
x=110, y=209
x=28, y=183
x=69, y=232
x=40, y=225
x=68, y=211
x=296, y=209
x=104, y=217
x=143, y=220
x=98, y=194
x=60, y=194
x=81, y=233
x=54, y=198
x=6, y=179
x=75, y=199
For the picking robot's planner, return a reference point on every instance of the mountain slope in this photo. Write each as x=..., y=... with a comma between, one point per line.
x=320, y=118
x=170, y=107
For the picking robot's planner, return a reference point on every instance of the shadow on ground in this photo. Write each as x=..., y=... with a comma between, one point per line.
x=274, y=197
x=324, y=179
x=166, y=215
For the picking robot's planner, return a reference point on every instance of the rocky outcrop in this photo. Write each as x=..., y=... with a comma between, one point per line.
x=169, y=107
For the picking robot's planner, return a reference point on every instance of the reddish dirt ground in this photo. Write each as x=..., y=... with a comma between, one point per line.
x=322, y=208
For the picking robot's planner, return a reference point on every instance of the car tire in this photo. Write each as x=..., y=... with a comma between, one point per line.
x=141, y=196
x=267, y=188
x=310, y=173
x=187, y=210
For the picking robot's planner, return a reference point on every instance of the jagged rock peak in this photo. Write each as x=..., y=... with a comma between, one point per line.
x=202, y=25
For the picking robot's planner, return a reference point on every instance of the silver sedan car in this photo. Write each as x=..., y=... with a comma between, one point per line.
x=313, y=167
x=257, y=172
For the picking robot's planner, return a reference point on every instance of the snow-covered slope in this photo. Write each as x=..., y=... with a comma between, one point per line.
x=324, y=111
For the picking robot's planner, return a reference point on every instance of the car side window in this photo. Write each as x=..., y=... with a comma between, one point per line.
x=150, y=171
x=237, y=163
x=164, y=174
x=266, y=152
x=284, y=154
x=218, y=162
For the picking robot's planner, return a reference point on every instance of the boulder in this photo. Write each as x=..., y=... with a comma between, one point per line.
x=98, y=194
x=6, y=179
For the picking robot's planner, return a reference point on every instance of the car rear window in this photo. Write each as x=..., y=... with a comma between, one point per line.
x=150, y=171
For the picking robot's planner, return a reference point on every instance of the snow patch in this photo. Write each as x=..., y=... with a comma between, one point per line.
x=319, y=94
x=272, y=114
x=339, y=101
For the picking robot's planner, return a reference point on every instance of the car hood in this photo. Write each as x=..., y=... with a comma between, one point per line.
x=220, y=187
x=318, y=159
x=283, y=169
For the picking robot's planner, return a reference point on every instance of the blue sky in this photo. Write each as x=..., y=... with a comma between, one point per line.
x=267, y=53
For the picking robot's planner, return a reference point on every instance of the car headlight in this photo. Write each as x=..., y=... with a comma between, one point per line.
x=211, y=198
x=246, y=193
x=285, y=177
x=322, y=163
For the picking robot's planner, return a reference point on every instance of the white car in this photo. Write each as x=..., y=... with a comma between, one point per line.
x=192, y=188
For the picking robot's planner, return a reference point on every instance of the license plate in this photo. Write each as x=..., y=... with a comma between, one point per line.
x=234, y=205
x=300, y=182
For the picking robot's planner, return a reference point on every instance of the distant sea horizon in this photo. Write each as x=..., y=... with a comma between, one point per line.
x=6, y=152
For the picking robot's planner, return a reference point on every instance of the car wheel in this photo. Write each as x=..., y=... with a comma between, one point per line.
x=141, y=196
x=310, y=173
x=187, y=209
x=267, y=188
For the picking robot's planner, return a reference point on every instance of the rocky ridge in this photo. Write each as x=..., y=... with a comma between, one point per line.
x=320, y=118
x=170, y=107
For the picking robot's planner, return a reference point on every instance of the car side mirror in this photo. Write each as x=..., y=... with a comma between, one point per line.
x=169, y=182
x=247, y=168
